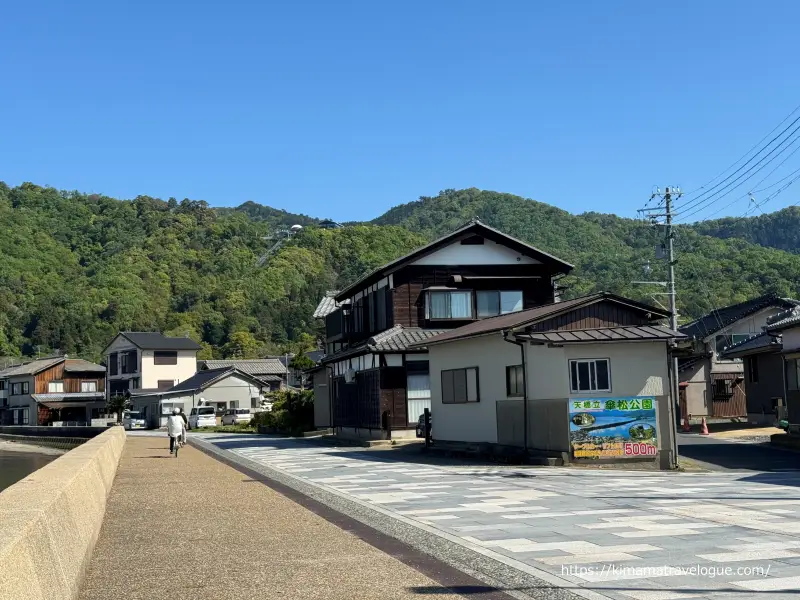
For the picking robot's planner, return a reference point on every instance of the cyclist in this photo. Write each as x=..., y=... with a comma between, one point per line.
x=175, y=429
x=185, y=425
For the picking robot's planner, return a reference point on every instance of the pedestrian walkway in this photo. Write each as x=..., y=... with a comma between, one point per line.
x=616, y=534
x=194, y=528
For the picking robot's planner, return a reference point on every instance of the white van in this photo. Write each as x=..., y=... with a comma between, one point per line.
x=202, y=416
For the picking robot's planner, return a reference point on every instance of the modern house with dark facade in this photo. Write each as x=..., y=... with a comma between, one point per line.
x=377, y=377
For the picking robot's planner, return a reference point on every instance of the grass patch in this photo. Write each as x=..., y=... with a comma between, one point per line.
x=228, y=429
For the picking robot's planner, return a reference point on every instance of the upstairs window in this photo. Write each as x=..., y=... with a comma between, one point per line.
x=492, y=303
x=590, y=375
x=2, y=385
x=165, y=357
x=113, y=365
x=55, y=387
x=449, y=305
x=88, y=386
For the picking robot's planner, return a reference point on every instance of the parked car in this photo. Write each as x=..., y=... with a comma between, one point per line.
x=202, y=416
x=133, y=420
x=237, y=416
x=421, y=426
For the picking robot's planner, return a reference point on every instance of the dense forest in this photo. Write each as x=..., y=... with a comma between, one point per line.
x=77, y=268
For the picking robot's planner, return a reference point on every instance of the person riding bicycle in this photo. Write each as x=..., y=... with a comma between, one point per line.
x=175, y=429
x=185, y=425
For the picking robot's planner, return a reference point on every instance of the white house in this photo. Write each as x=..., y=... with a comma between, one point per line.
x=222, y=388
x=148, y=360
x=579, y=372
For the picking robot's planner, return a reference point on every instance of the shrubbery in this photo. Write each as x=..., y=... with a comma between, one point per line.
x=292, y=412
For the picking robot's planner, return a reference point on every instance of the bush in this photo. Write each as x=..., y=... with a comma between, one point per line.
x=292, y=412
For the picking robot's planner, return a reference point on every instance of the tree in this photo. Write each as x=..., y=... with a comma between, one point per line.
x=242, y=344
x=300, y=363
x=118, y=404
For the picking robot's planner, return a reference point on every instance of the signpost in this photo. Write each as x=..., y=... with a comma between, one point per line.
x=613, y=428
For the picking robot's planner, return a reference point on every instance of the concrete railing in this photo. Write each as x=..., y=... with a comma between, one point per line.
x=50, y=521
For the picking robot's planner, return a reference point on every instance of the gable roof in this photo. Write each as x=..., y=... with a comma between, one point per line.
x=719, y=319
x=523, y=318
x=755, y=344
x=790, y=318
x=251, y=366
x=204, y=379
x=34, y=367
x=77, y=365
x=153, y=340
x=327, y=305
x=474, y=227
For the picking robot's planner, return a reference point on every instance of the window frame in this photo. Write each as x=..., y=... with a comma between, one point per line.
x=752, y=368
x=499, y=302
x=429, y=305
x=54, y=383
x=518, y=393
x=165, y=381
x=591, y=362
x=26, y=387
x=16, y=389
x=2, y=385
x=466, y=385
x=165, y=357
x=87, y=384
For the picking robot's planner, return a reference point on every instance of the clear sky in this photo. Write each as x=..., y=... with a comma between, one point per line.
x=344, y=109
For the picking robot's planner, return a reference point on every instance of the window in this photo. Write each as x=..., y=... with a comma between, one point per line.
x=460, y=386
x=590, y=375
x=419, y=394
x=88, y=386
x=753, y=368
x=498, y=303
x=25, y=416
x=165, y=357
x=134, y=383
x=16, y=389
x=515, y=385
x=380, y=307
x=113, y=364
x=55, y=387
x=2, y=385
x=255, y=402
x=127, y=362
x=25, y=388
x=449, y=305
x=723, y=389
x=165, y=384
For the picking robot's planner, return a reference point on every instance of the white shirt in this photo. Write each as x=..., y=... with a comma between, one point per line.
x=175, y=425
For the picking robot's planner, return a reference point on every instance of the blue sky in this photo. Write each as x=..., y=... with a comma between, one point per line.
x=344, y=109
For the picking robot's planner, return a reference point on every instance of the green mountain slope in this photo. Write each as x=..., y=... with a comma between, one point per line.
x=77, y=268
x=610, y=252
x=779, y=230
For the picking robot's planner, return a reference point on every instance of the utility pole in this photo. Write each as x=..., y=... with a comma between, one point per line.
x=668, y=459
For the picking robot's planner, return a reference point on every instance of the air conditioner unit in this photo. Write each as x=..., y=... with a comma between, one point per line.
x=349, y=376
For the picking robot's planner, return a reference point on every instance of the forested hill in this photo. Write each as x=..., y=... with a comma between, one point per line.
x=780, y=229
x=77, y=268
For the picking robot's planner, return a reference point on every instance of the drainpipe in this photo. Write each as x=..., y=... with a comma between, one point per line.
x=524, y=388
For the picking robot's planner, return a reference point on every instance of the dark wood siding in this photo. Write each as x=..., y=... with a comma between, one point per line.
x=727, y=395
x=408, y=296
x=72, y=381
x=595, y=316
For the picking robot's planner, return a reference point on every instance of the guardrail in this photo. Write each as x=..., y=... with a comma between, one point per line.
x=51, y=520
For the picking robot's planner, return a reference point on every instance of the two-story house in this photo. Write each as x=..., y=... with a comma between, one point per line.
x=139, y=360
x=56, y=390
x=377, y=378
x=712, y=381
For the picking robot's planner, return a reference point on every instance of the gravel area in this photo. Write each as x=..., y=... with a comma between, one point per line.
x=513, y=582
x=194, y=528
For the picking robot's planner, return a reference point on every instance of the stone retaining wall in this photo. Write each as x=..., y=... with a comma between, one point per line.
x=50, y=521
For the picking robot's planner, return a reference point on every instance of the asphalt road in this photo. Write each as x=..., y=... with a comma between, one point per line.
x=721, y=454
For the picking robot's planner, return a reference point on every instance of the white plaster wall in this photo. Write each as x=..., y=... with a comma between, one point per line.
x=473, y=421
x=489, y=253
x=547, y=373
x=231, y=388
x=751, y=325
x=791, y=338
x=152, y=373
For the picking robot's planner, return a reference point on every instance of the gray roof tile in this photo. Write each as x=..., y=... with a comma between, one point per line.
x=253, y=366
x=153, y=340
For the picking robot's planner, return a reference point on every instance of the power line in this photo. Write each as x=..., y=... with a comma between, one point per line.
x=702, y=205
x=786, y=118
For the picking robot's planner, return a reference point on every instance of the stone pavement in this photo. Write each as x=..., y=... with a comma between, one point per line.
x=236, y=539
x=613, y=534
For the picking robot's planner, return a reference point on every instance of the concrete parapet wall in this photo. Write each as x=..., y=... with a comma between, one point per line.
x=50, y=521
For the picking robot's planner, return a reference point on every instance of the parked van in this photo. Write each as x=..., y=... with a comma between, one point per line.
x=202, y=416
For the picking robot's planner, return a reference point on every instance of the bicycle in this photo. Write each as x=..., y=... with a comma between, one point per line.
x=176, y=443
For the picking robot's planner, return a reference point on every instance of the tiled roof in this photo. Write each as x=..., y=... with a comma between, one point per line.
x=721, y=318
x=252, y=366
x=77, y=365
x=60, y=397
x=203, y=379
x=396, y=339
x=791, y=319
x=532, y=315
x=606, y=334
x=760, y=342
x=33, y=367
x=327, y=305
x=153, y=340
x=473, y=227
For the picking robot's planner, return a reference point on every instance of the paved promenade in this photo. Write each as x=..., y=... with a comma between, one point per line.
x=600, y=534
x=237, y=539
